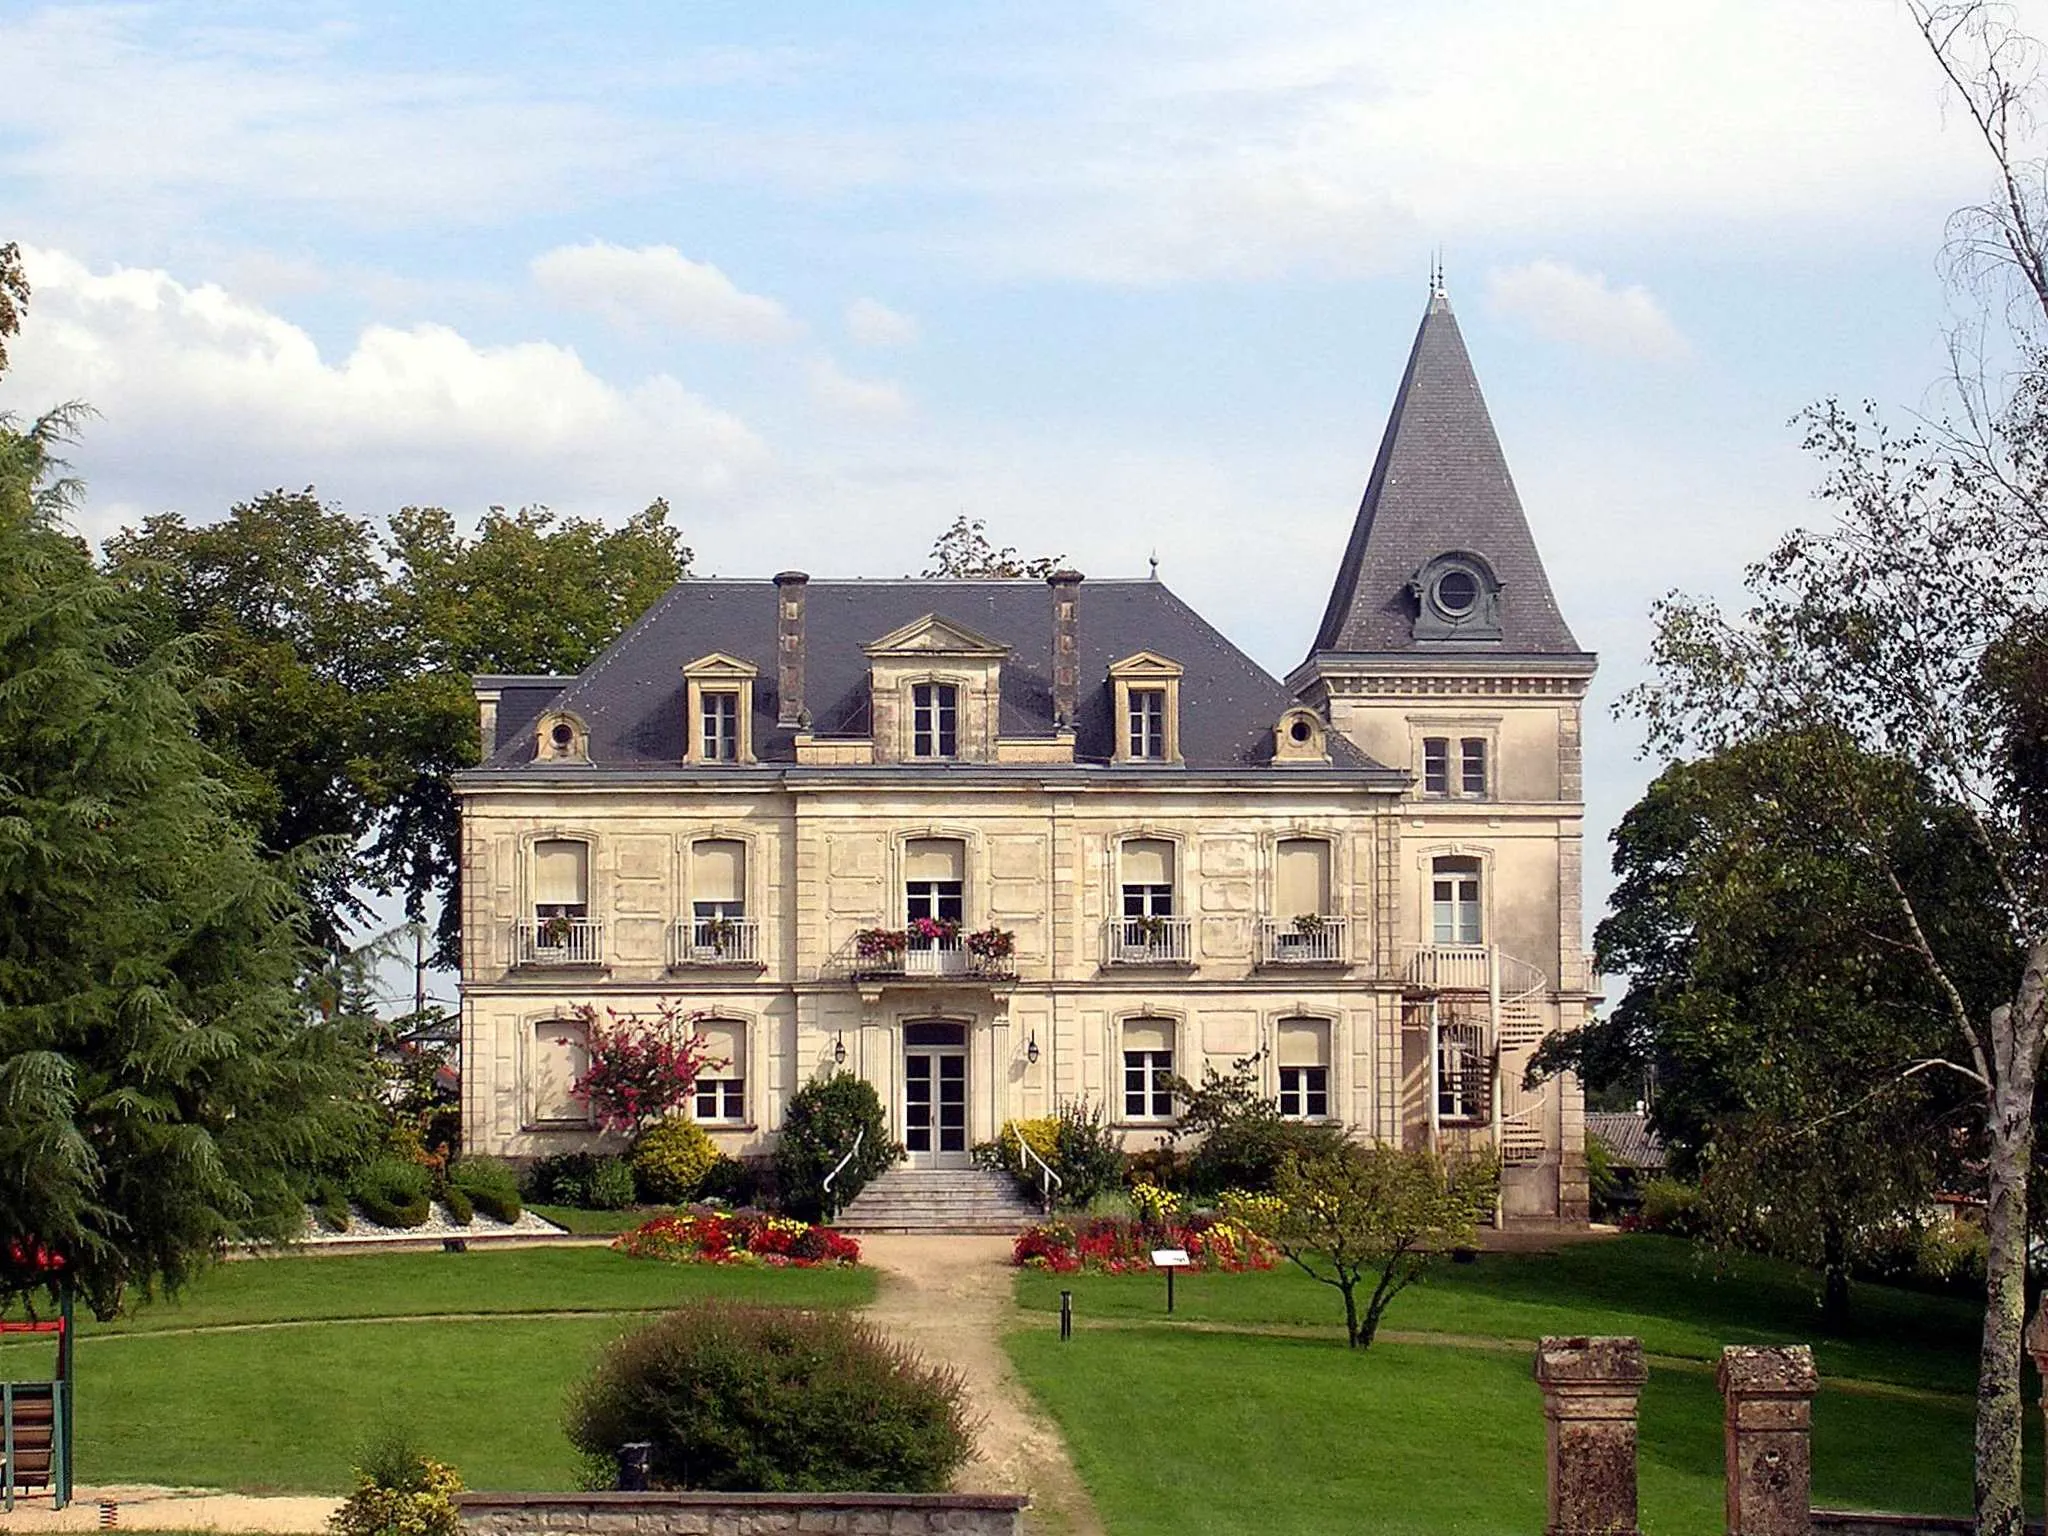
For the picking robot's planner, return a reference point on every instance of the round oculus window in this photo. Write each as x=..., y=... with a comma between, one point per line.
x=1457, y=592
x=1301, y=730
x=564, y=734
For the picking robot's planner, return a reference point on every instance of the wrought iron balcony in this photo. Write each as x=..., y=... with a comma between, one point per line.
x=886, y=954
x=733, y=942
x=1304, y=941
x=1166, y=941
x=563, y=941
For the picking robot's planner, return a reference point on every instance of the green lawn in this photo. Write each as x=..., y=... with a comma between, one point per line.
x=244, y=1403
x=1658, y=1289
x=573, y=1218
x=1215, y=1427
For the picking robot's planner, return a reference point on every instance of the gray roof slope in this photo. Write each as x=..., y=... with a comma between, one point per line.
x=1628, y=1137
x=1440, y=484
x=520, y=702
x=631, y=698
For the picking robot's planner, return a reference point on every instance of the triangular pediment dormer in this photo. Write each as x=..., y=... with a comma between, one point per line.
x=936, y=636
x=1146, y=664
x=719, y=664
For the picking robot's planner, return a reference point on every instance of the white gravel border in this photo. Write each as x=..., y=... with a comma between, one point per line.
x=363, y=1232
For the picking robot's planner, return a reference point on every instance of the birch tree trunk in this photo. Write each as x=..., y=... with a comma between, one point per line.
x=2015, y=1038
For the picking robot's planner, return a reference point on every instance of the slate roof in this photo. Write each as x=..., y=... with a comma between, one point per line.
x=1440, y=484
x=1629, y=1139
x=631, y=698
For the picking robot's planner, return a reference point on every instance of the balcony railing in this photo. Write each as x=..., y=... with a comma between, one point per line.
x=715, y=941
x=1148, y=941
x=558, y=941
x=1451, y=967
x=894, y=955
x=1294, y=941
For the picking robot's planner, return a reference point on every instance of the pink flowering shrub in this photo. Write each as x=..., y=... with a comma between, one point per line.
x=738, y=1237
x=641, y=1070
x=1117, y=1245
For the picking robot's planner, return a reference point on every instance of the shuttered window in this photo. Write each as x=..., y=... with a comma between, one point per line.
x=1148, y=1065
x=718, y=877
x=722, y=1088
x=1304, y=1058
x=561, y=878
x=1301, y=878
x=555, y=1060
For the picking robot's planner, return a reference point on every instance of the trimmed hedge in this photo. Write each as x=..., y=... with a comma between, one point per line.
x=394, y=1193
x=774, y=1400
x=492, y=1186
x=671, y=1159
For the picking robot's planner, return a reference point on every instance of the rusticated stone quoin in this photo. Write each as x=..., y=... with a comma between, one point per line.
x=741, y=1514
x=1590, y=1387
x=1767, y=1394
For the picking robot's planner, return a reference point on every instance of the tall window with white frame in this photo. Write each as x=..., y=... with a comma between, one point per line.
x=1304, y=1055
x=561, y=902
x=934, y=720
x=934, y=892
x=1454, y=902
x=1436, y=765
x=718, y=900
x=1148, y=724
x=721, y=725
x=1147, y=879
x=722, y=1086
x=1148, y=1069
x=1472, y=766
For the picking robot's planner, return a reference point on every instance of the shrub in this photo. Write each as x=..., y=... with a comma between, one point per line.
x=1952, y=1252
x=458, y=1205
x=1603, y=1183
x=330, y=1205
x=393, y=1193
x=1246, y=1152
x=492, y=1186
x=1088, y=1156
x=671, y=1159
x=773, y=1400
x=611, y=1185
x=1669, y=1205
x=818, y=1129
x=1160, y=1165
x=399, y=1492
x=738, y=1237
x=731, y=1181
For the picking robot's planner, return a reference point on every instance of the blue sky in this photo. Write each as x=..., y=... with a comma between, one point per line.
x=1118, y=278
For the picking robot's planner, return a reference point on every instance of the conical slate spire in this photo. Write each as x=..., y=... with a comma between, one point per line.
x=1440, y=491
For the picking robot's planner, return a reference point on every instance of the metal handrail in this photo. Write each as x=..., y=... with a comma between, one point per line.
x=1048, y=1181
x=840, y=1167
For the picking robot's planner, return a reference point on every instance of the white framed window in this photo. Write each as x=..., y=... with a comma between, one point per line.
x=1472, y=777
x=1303, y=1051
x=1146, y=875
x=720, y=723
x=1301, y=878
x=561, y=879
x=1148, y=723
x=934, y=881
x=1454, y=901
x=722, y=1089
x=1436, y=765
x=934, y=720
x=1148, y=1069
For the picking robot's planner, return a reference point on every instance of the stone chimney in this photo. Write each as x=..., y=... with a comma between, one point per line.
x=1066, y=646
x=789, y=649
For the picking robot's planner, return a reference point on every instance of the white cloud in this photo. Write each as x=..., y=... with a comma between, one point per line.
x=1561, y=303
x=874, y=324
x=204, y=398
x=841, y=391
x=659, y=285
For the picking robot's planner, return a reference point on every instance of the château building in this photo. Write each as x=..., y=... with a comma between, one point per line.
x=995, y=845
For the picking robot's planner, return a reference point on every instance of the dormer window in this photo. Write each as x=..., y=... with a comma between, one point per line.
x=720, y=717
x=935, y=720
x=1456, y=597
x=561, y=738
x=1148, y=723
x=719, y=698
x=1147, y=703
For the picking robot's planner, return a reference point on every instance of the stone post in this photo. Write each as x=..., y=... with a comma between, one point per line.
x=1589, y=1420
x=789, y=649
x=2037, y=1345
x=1768, y=1394
x=1066, y=647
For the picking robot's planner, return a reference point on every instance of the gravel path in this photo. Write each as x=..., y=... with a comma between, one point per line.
x=949, y=1297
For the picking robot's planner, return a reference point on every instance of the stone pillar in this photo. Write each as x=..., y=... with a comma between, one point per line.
x=2037, y=1345
x=1589, y=1420
x=1768, y=1393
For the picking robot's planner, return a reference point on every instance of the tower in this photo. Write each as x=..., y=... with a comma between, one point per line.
x=1442, y=651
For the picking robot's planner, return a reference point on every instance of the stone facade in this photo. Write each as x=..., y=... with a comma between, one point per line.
x=1367, y=876
x=741, y=1514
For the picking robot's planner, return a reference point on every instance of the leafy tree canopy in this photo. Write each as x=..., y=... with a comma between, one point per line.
x=964, y=552
x=164, y=1088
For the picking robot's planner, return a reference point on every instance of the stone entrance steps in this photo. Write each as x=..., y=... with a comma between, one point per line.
x=940, y=1200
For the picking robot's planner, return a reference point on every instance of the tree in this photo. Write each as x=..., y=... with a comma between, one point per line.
x=345, y=656
x=13, y=296
x=164, y=1087
x=641, y=1069
x=963, y=553
x=1354, y=1213
x=1786, y=1027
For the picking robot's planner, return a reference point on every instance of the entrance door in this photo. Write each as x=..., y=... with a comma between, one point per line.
x=935, y=1095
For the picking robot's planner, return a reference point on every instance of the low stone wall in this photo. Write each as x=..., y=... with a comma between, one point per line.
x=1840, y=1522
x=741, y=1514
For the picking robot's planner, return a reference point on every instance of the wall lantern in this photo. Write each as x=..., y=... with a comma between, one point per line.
x=1031, y=1050
x=839, y=1049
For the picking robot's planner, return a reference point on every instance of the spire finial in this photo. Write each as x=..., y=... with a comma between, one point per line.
x=1155, y=564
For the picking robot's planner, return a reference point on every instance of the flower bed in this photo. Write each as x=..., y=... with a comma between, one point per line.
x=1117, y=1245
x=738, y=1237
